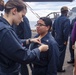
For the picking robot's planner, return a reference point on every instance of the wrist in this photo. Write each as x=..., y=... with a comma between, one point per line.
x=29, y=40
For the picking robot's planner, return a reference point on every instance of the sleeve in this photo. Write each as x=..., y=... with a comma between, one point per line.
x=53, y=60
x=66, y=30
x=53, y=29
x=12, y=49
x=74, y=34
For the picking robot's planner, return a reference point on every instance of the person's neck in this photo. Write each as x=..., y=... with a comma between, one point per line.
x=6, y=16
x=42, y=35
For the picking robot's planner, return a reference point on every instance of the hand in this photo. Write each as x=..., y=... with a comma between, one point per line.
x=74, y=71
x=43, y=47
x=73, y=46
x=65, y=43
x=36, y=40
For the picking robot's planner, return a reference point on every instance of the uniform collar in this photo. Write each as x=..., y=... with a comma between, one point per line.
x=44, y=36
x=4, y=21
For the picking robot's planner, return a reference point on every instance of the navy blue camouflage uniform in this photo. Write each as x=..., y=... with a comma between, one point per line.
x=60, y=31
x=47, y=65
x=12, y=53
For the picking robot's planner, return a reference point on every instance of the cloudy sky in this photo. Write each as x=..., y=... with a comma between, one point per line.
x=44, y=8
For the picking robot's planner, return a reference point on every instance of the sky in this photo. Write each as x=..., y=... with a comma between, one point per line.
x=44, y=8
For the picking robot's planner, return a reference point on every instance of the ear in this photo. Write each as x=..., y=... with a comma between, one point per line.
x=48, y=27
x=14, y=11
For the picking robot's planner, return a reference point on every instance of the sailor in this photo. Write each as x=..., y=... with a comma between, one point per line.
x=47, y=65
x=71, y=61
x=60, y=31
x=12, y=53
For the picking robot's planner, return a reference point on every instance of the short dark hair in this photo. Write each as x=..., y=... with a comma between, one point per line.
x=64, y=9
x=14, y=4
x=47, y=21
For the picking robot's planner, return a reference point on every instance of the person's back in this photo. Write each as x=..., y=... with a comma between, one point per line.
x=60, y=31
x=74, y=46
x=74, y=34
x=59, y=26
